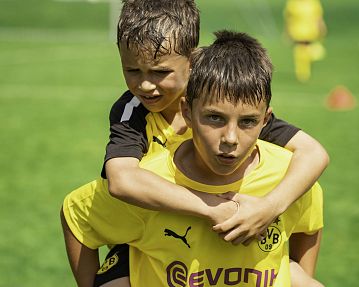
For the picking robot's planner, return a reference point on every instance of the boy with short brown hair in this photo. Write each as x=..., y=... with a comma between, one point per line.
x=226, y=116
x=155, y=38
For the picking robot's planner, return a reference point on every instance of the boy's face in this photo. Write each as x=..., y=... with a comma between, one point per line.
x=224, y=134
x=159, y=83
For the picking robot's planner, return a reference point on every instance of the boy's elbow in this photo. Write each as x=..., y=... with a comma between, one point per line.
x=305, y=145
x=114, y=190
x=321, y=157
x=117, y=187
x=325, y=159
x=120, y=173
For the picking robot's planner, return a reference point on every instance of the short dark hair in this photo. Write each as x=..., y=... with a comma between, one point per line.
x=158, y=27
x=235, y=67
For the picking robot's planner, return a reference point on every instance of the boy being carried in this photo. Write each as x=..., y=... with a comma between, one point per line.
x=155, y=39
x=227, y=105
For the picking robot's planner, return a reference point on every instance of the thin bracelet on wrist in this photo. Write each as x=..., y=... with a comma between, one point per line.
x=237, y=204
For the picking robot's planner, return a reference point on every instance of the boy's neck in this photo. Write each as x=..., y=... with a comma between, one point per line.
x=178, y=124
x=185, y=160
x=174, y=118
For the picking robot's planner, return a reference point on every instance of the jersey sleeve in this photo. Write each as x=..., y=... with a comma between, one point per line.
x=97, y=219
x=127, y=129
x=278, y=131
x=311, y=218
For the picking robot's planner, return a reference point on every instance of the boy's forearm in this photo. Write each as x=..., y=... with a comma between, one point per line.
x=143, y=188
x=304, y=249
x=84, y=261
x=308, y=162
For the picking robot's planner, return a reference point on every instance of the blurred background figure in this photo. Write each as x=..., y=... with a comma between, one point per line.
x=305, y=26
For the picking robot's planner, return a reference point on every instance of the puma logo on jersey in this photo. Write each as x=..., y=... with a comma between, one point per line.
x=156, y=140
x=175, y=235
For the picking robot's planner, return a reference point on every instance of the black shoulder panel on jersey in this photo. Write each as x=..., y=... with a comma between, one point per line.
x=127, y=129
x=278, y=132
x=128, y=108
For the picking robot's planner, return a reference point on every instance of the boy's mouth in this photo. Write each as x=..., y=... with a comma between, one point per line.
x=227, y=159
x=150, y=99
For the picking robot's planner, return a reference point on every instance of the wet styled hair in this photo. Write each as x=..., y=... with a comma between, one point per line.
x=235, y=67
x=158, y=27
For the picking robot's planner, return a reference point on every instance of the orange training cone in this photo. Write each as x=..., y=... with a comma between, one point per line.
x=340, y=98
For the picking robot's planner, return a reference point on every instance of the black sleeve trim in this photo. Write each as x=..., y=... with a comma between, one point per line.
x=127, y=129
x=278, y=131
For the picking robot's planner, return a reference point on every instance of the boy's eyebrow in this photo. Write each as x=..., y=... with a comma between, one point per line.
x=128, y=66
x=254, y=115
x=249, y=115
x=212, y=110
x=161, y=65
x=164, y=67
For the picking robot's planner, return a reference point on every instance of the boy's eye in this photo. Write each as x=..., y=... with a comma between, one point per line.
x=131, y=70
x=247, y=123
x=214, y=118
x=162, y=72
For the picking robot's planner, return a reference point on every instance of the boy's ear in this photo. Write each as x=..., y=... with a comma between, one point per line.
x=267, y=116
x=186, y=112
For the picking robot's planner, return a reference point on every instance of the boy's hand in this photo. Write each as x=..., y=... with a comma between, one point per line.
x=251, y=220
x=221, y=209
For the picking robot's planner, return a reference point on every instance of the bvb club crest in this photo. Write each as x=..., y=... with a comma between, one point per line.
x=272, y=241
x=109, y=263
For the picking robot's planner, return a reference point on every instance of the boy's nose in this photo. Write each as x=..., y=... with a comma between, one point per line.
x=230, y=136
x=146, y=86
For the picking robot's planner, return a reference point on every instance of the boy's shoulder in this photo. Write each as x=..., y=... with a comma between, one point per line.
x=160, y=156
x=273, y=154
x=160, y=161
x=127, y=107
x=268, y=146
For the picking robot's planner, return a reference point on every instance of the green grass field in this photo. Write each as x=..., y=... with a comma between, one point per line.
x=60, y=74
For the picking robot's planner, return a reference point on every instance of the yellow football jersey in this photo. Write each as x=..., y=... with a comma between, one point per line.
x=303, y=19
x=167, y=249
x=161, y=135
